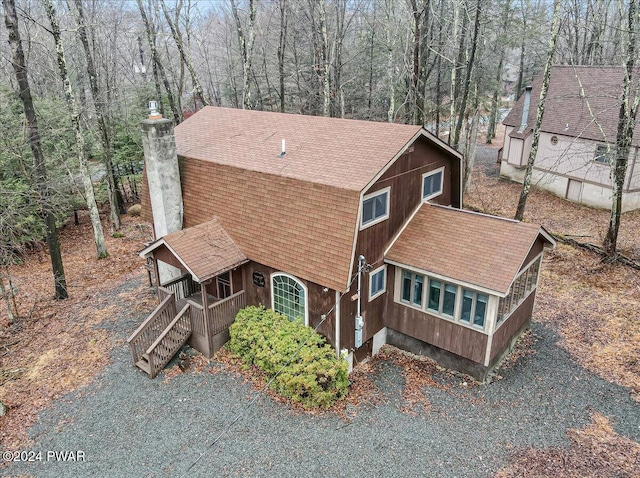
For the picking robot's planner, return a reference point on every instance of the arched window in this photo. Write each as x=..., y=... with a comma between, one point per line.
x=289, y=297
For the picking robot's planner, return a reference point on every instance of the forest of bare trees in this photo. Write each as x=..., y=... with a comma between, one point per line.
x=92, y=66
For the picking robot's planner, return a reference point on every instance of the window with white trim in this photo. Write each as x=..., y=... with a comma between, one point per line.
x=377, y=282
x=432, y=183
x=438, y=297
x=375, y=207
x=524, y=284
x=289, y=297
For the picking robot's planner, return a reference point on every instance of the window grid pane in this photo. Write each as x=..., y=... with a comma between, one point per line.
x=434, y=295
x=467, y=304
x=406, y=286
x=449, y=302
x=481, y=310
x=417, y=290
x=288, y=297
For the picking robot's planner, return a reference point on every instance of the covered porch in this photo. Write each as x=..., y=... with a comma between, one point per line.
x=199, y=295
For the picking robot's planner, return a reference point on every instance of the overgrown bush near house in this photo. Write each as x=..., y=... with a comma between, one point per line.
x=268, y=340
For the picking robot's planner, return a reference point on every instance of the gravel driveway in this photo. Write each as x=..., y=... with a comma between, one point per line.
x=130, y=426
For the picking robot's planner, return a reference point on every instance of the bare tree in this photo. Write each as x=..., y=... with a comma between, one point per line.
x=246, y=42
x=40, y=172
x=157, y=65
x=98, y=234
x=184, y=55
x=526, y=183
x=99, y=106
x=624, y=135
x=467, y=82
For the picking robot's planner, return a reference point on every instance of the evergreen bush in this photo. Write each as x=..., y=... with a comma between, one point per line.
x=268, y=340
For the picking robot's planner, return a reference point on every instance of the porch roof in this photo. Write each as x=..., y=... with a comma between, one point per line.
x=477, y=249
x=205, y=250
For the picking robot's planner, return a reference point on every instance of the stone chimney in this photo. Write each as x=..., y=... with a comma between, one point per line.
x=525, y=109
x=163, y=179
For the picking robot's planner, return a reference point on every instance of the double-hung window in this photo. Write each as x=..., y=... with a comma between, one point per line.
x=442, y=297
x=432, y=184
x=375, y=207
x=377, y=282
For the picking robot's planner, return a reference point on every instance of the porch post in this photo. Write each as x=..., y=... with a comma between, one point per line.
x=157, y=274
x=205, y=313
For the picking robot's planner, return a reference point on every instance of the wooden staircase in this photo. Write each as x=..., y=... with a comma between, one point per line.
x=160, y=336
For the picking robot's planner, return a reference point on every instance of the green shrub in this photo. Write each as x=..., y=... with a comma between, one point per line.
x=268, y=340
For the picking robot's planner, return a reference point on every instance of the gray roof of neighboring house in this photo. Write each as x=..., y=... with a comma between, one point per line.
x=592, y=115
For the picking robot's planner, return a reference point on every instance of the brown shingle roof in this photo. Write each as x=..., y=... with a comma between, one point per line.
x=566, y=110
x=481, y=250
x=298, y=227
x=342, y=153
x=206, y=249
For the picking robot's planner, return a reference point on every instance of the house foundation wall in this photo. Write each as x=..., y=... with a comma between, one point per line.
x=443, y=357
x=592, y=195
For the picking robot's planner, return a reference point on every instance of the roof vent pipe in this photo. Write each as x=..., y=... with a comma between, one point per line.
x=525, y=109
x=284, y=149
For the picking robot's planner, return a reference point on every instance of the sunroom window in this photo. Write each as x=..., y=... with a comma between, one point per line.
x=375, y=207
x=440, y=298
x=524, y=284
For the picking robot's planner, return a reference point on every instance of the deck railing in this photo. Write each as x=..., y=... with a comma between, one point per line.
x=223, y=313
x=149, y=330
x=196, y=313
x=174, y=336
x=181, y=287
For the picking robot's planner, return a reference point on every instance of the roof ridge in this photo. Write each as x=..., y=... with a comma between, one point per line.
x=490, y=216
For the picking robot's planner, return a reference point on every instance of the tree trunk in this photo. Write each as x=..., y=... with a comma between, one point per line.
x=526, y=183
x=390, y=66
x=493, y=115
x=40, y=172
x=98, y=235
x=246, y=49
x=100, y=117
x=155, y=58
x=326, y=85
x=624, y=137
x=467, y=82
x=281, y=50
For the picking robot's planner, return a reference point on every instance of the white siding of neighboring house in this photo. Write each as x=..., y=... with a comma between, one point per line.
x=573, y=158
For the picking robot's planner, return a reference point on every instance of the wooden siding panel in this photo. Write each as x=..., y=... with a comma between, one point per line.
x=318, y=301
x=536, y=249
x=405, y=179
x=447, y=335
x=512, y=325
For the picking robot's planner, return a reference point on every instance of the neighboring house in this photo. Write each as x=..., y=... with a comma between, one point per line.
x=293, y=212
x=577, y=137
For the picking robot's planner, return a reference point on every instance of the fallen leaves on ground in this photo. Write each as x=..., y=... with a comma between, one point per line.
x=594, y=306
x=57, y=346
x=596, y=451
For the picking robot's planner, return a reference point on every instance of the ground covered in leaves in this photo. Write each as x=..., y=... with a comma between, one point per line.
x=58, y=346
